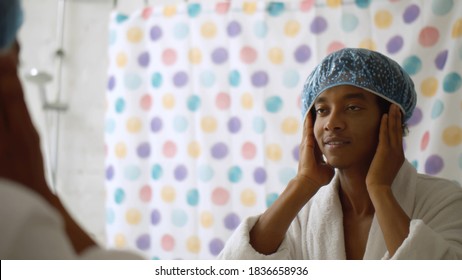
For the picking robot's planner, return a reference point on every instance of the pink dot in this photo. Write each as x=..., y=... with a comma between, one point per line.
x=248, y=150
x=169, y=149
x=299, y=101
x=425, y=141
x=220, y=196
x=169, y=56
x=146, y=102
x=248, y=55
x=429, y=36
x=306, y=5
x=168, y=242
x=145, y=193
x=223, y=101
x=334, y=46
x=222, y=8
x=146, y=12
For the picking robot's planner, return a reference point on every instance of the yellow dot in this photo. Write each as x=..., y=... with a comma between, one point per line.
x=120, y=241
x=134, y=35
x=247, y=101
x=276, y=55
x=429, y=87
x=206, y=219
x=249, y=7
x=169, y=10
x=290, y=125
x=121, y=150
x=195, y=56
x=208, y=124
x=121, y=59
x=208, y=30
x=134, y=125
x=452, y=135
x=457, y=29
x=193, y=244
x=168, y=194
x=274, y=152
x=168, y=101
x=194, y=149
x=292, y=28
x=248, y=197
x=334, y=3
x=133, y=216
x=383, y=19
x=368, y=44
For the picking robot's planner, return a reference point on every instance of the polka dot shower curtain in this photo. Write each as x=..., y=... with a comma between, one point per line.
x=203, y=113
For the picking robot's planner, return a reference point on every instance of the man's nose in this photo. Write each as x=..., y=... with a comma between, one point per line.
x=335, y=121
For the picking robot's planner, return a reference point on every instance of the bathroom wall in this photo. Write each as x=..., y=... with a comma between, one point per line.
x=80, y=172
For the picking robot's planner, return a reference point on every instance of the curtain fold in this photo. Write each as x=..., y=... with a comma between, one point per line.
x=203, y=115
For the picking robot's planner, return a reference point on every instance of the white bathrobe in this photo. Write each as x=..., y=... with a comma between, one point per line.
x=433, y=204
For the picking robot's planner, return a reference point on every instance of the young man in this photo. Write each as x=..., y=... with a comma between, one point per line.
x=355, y=196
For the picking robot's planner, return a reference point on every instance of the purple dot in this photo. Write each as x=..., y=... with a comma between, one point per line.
x=143, y=242
x=259, y=175
x=416, y=117
x=219, y=55
x=232, y=221
x=234, y=29
x=155, y=217
x=434, y=164
x=144, y=59
x=111, y=83
x=180, y=79
x=215, y=246
x=180, y=173
x=411, y=13
x=395, y=44
x=295, y=153
x=318, y=25
x=156, y=124
x=302, y=54
x=219, y=150
x=156, y=33
x=440, y=60
x=110, y=172
x=234, y=125
x=260, y=79
x=144, y=150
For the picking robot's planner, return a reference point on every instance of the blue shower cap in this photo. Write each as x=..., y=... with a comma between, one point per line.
x=11, y=18
x=365, y=69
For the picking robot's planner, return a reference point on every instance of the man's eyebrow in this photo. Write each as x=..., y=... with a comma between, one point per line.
x=352, y=95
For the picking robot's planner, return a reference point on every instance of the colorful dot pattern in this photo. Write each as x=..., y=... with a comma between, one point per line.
x=203, y=107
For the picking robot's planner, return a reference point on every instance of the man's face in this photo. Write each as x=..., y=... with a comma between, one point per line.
x=347, y=126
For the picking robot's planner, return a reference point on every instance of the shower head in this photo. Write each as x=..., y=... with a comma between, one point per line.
x=38, y=77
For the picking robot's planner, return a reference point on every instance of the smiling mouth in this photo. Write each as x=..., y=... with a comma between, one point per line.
x=336, y=144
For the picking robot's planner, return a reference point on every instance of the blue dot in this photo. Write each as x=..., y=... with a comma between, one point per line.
x=156, y=172
x=234, y=78
x=286, y=174
x=194, y=9
x=234, y=174
x=259, y=125
x=110, y=126
x=156, y=80
x=192, y=197
x=349, y=22
x=132, y=172
x=275, y=8
x=194, y=102
x=180, y=123
x=273, y=104
x=412, y=65
x=120, y=105
x=271, y=198
x=155, y=217
x=121, y=18
x=110, y=216
x=179, y=217
x=415, y=163
x=207, y=78
x=442, y=7
x=132, y=81
x=112, y=37
x=437, y=109
x=291, y=78
x=205, y=173
x=119, y=196
x=452, y=82
x=260, y=29
x=363, y=3
x=181, y=30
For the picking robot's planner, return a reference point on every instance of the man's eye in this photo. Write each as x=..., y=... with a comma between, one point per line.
x=320, y=111
x=353, y=108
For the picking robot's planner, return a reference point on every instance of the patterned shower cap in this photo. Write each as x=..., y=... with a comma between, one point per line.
x=11, y=18
x=365, y=69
